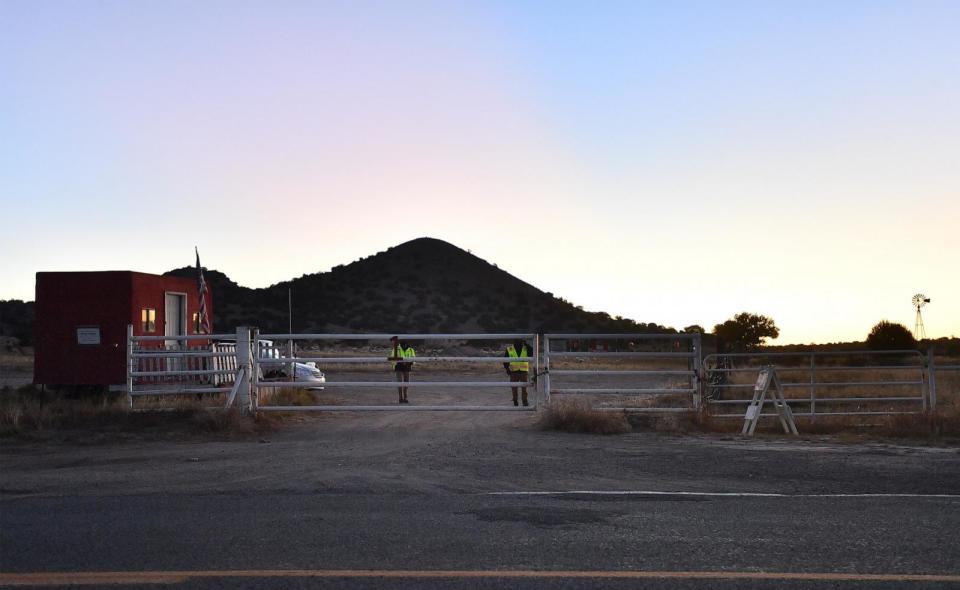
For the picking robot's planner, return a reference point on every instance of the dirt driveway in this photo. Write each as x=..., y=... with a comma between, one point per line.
x=416, y=452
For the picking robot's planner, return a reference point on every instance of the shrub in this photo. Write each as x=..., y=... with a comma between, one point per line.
x=746, y=331
x=890, y=336
x=28, y=413
x=579, y=416
x=288, y=397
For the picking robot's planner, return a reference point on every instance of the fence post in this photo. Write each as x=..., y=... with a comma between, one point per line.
x=697, y=371
x=255, y=371
x=130, y=366
x=535, y=341
x=243, y=362
x=813, y=386
x=293, y=364
x=931, y=380
x=546, y=369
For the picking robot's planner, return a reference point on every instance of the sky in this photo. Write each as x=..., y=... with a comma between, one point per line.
x=671, y=162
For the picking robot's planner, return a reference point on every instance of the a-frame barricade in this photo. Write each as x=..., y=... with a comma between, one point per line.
x=768, y=382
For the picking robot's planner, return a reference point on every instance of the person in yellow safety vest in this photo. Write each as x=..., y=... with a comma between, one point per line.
x=518, y=371
x=402, y=367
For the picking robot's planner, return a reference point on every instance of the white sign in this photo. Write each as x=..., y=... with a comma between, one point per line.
x=88, y=335
x=762, y=380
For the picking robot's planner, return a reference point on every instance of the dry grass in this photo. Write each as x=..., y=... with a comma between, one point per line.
x=674, y=423
x=16, y=360
x=943, y=425
x=28, y=412
x=285, y=396
x=16, y=367
x=578, y=416
x=946, y=421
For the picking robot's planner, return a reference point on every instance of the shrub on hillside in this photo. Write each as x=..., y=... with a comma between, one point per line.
x=890, y=336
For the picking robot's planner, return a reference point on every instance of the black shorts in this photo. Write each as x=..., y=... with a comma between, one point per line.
x=403, y=367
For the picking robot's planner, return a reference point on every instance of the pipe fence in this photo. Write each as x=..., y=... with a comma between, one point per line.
x=161, y=367
x=949, y=370
x=292, y=356
x=834, y=383
x=664, y=367
x=617, y=372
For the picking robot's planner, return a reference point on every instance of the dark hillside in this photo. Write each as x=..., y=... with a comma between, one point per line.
x=424, y=285
x=16, y=320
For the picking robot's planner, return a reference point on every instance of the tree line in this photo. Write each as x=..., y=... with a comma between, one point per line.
x=749, y=331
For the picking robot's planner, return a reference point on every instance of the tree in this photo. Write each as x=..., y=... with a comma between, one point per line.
x=890, y=336
x=693, y=329
x=746, y=331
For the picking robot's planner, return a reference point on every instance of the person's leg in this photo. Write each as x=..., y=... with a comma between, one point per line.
x=406, y=379
x=398, y=375
x=514, y=377
x=523, y=378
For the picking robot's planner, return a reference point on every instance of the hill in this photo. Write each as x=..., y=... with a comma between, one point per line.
x=425, y=285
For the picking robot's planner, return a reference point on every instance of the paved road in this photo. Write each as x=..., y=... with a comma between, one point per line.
x=376, y=504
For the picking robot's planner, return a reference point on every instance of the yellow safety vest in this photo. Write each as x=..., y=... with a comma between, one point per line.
x=513, y=354
x=404, y=354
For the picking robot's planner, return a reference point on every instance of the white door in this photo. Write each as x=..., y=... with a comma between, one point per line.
x=174, y=324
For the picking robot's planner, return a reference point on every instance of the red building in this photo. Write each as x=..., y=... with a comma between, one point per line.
x=82, y=318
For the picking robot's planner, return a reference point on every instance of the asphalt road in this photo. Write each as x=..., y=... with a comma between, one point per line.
x=407, y=501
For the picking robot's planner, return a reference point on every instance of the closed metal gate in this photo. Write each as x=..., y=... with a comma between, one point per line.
x=629, y=372
x=161, y=369
x=465, y=370
x=831, y=383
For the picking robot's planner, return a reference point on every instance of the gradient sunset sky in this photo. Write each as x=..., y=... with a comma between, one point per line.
x=673, y=162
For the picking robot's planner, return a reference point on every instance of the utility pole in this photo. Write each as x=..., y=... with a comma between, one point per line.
x=293, y=365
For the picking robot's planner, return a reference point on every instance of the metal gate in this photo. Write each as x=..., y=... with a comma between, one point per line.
x=161, y=370
x=950, y=372
x=656, y=372
x=831, y=383
x=295, y=354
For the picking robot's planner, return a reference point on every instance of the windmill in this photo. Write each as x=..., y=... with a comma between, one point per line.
x=919, y=300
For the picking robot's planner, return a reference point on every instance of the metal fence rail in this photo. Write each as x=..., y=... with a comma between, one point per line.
x=934, y=368
x=291, y=356
x=812, y=371
x=165, y=366
x=665, y=381
x=665, y=369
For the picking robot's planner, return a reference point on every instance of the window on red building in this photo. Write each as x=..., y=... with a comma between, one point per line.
x=148, y=320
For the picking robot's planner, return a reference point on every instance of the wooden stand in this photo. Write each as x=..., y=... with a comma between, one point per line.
x=768, y=380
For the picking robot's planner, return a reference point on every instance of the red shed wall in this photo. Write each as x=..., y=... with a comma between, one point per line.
x=68, y=300
x=109, y=300
x=149, y=291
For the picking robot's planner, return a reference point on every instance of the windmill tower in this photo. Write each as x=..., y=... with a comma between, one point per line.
x=919, y=300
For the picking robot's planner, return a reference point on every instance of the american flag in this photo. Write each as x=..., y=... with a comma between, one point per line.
x=204, y=319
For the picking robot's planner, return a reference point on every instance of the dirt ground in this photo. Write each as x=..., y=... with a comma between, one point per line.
x=480, y=451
